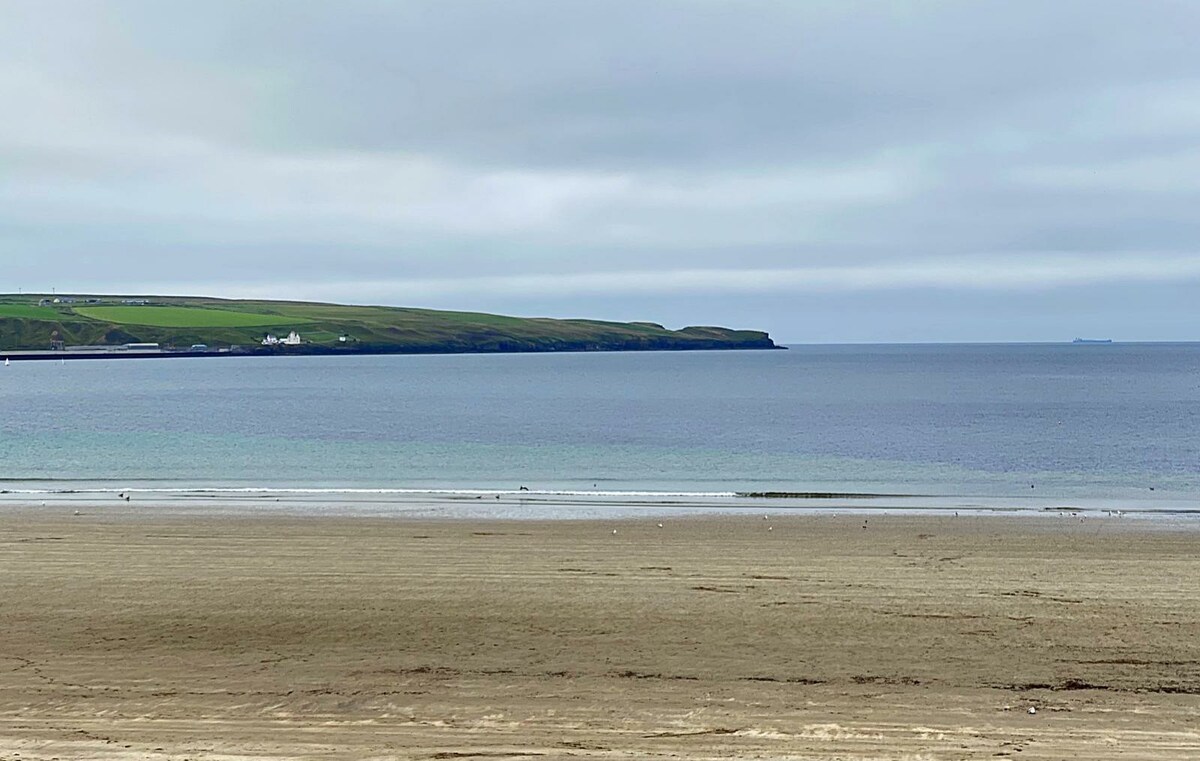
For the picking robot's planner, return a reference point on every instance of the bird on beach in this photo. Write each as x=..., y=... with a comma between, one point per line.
x=614, y=532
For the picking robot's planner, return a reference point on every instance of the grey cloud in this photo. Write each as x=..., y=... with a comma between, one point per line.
x=544, y=145
x=627, y=82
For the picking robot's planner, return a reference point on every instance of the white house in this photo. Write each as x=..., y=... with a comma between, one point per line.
x=293, y=339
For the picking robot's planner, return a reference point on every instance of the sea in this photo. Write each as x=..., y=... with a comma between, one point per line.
x=1112, y=428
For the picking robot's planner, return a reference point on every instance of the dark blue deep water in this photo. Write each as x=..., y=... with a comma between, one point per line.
x=1080, y=421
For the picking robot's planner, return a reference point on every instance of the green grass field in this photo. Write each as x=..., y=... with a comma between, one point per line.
x=186, y=317
x=31, y=312
x=182, y=321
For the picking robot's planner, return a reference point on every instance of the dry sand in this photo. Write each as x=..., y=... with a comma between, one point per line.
x=915, y=638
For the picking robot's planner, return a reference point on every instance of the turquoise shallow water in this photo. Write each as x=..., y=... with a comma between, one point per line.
x=993, y=424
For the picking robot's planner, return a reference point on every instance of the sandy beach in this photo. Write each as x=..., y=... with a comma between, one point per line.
x=171, y=637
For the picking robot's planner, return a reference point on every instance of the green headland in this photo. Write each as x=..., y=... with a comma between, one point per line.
x=43, y=322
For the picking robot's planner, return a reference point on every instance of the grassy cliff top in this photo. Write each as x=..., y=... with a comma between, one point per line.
x=34, y=321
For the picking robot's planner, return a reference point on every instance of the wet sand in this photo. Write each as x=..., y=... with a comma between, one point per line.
x=129, y=637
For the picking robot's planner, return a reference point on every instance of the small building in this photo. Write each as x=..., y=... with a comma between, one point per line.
x=293, y=339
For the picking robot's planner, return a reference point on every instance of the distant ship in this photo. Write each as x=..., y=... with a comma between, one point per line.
x=1091, y=340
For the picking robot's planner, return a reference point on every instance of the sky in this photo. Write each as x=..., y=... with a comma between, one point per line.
x=826, y=170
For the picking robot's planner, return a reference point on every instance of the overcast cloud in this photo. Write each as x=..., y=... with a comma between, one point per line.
x=825, y=170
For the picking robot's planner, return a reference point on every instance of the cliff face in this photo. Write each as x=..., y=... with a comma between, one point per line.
x=735, y=340
x=333, y=329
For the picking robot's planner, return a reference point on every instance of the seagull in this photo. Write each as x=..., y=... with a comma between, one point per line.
x=660, y=525
x=614, y=532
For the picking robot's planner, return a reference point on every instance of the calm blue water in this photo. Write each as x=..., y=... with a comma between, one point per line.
x=986, y=421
